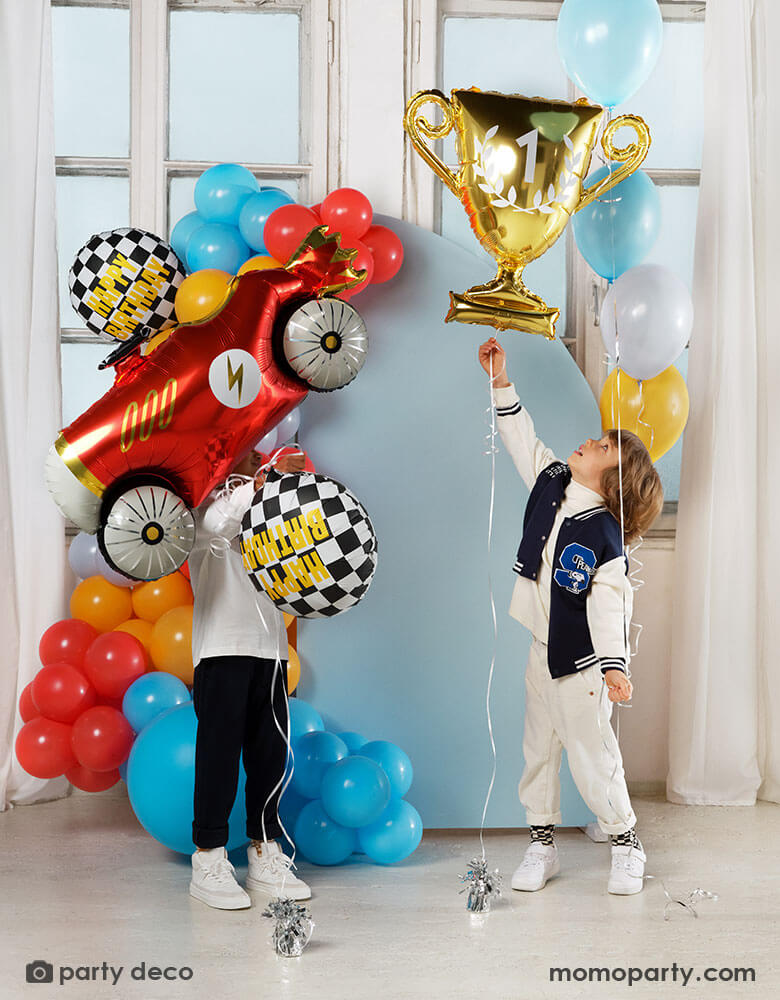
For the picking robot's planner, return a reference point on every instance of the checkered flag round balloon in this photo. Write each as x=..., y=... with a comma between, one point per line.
x=308, y=544
x=125, y=279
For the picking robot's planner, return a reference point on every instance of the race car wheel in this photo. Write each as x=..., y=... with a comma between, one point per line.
x=325, y=343
x=146, y=531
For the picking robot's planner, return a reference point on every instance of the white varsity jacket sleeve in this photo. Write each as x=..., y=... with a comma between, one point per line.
x=516, y=428
x=224, y=515
x=609, y=605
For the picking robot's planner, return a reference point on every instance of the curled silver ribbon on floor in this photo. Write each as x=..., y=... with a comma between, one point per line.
x=482, y=885
x=293, y=927
x=686, y=903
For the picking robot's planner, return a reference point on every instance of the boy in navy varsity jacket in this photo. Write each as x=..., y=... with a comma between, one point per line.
x=574, y=595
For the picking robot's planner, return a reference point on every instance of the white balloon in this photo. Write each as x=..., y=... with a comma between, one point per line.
x=653, y=313
x=288, y=426
x=268, y=443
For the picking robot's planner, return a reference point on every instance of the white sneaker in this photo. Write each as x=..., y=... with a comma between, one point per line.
x=214, y=881
x=540, y=863
x=628, y=869
x=271, y=872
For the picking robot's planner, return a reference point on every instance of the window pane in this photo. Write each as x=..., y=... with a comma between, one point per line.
x=85, y=206
x=668, y=465
x=82, y=383
x=234, y=84
x=545, y=276
x=180, y=194
x=91, y=50
x=671, y=101
x=675, y=244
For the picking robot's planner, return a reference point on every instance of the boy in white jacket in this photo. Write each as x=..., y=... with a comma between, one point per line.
x=574, y=595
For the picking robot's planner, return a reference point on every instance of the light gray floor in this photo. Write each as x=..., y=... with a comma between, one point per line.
x=83, y=884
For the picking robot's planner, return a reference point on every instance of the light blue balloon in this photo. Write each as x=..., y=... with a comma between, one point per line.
x=303, y=719
x=255, y=212
x=290, y=807
x=123, y=771
x=321, y=840
x=394, y=762
x=150, y=696
x=394, y=836
x=617, y=231
x=82, y=553
x=221, y=191
x=355, y=791
x=609, y=47
x=216, y=245
x=182, y=231
x=314, y=752
x=354, y=741
x=161, y=782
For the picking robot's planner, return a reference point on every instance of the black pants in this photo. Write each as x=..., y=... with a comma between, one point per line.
x=232, y=700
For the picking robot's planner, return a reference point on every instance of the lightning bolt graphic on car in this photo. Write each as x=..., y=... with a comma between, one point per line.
x=235, y=376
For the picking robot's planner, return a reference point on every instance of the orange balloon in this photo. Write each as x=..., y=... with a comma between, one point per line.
x=171, y=646
x=151, y=600
x=656, y=409
x=201, y=294
x=259, y=263
x=293, y=669
x=101, y=604
x=142, y=631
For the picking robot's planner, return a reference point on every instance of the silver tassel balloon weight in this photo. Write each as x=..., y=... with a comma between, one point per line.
x=293, y=927
x=483, y=886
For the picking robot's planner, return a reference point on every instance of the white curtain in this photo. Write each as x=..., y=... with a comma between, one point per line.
x=31, y=530
x=724, y=746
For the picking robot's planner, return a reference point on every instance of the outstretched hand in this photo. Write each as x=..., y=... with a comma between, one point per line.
x=493, y=360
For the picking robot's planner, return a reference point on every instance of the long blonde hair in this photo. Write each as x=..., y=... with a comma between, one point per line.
x=643, y=495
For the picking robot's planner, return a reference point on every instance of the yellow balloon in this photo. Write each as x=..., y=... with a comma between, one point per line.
x=656, y=409
x=293, y=669
x=201, y=294
x=259, y=263
x=171, y=645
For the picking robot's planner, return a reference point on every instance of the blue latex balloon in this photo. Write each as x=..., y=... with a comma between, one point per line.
x=355, y=791
x=354, y=741
x=394, y=836
x=617, y=231
x=290, y=808
x=123, y=771
x=216, y=245
x=314, y=752
x=150, y=696
x=609, y=47
x=394, y=762
x=181, y=232
x=303, y=719
x=221, y=191
x=255, y=212
x=161, y=782
x=321, y=840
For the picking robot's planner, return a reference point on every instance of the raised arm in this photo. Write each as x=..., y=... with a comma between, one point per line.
x=529, y=454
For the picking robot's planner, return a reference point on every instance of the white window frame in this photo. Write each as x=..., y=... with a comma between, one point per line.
x=148, y=167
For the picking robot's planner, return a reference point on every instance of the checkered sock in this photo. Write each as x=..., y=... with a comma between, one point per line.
x=627, y=839
x=542, y=834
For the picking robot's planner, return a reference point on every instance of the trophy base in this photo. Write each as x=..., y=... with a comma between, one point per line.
x=500, y=312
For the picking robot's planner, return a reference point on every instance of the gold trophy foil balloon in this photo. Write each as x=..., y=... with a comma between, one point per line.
x=522, y=165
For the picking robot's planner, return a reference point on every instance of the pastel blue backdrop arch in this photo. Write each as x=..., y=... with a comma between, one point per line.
x=410, y=663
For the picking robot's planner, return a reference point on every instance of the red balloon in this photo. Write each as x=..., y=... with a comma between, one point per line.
x=113, y=662
x=348, y=212
x=362, y=262
x=285, y=229
x=113, y=702
x=184, y=569
x=43, y=747
x=101, y=738
x=61, y=692
x=387, y=251
x=27, y=708
x=92, y=781
x=66, y=642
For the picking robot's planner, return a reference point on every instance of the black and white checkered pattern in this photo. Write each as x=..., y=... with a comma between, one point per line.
x=139, y=247
x=349, y=554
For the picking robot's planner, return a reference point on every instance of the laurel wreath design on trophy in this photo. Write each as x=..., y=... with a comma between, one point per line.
x=489, y=169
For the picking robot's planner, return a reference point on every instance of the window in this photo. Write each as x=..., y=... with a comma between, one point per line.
x=148, y=94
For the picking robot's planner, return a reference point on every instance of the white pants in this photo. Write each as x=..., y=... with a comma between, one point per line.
x=565, y=712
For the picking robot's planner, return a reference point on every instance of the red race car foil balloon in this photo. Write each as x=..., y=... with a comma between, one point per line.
x=189, y=403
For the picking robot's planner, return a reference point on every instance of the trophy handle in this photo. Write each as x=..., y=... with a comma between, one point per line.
x=419, y=128
x=631, y=156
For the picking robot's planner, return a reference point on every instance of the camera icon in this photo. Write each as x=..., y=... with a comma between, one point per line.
x=40, y=972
